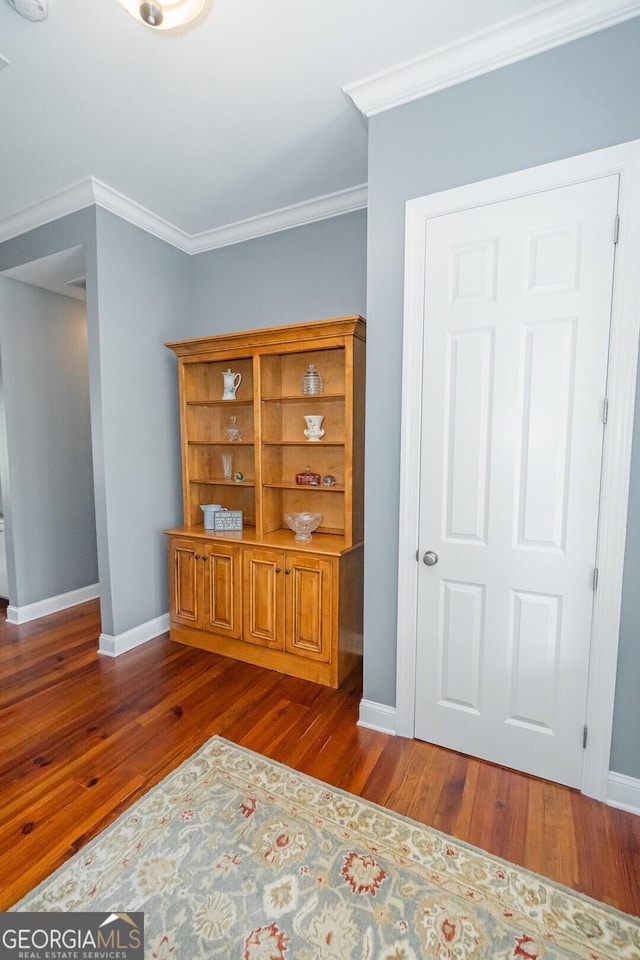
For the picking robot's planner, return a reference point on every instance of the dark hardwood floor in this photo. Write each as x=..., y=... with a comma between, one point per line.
x=82, y=736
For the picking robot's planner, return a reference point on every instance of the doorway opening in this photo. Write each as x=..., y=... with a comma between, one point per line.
x=46, y=466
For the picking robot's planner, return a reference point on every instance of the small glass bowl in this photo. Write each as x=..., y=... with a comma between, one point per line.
x=303, y=524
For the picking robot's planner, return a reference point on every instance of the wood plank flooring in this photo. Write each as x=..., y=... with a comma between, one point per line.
x=82, y=736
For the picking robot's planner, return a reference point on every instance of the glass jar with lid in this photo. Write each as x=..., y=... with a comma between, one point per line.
x=312, y=381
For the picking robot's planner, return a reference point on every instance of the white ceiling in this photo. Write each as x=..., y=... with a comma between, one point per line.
x=239, y=114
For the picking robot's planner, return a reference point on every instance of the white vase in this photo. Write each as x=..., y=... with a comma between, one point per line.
x=314, y=431
x=227, y=465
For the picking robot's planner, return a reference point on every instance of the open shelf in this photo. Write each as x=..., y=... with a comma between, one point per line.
x=306, y=397
x=203, y=380
x=269, y=410
x=230, y=404
x=220, y=443
x=284, y=421
x=282, y=373
x=320, y=488
x=223, y=482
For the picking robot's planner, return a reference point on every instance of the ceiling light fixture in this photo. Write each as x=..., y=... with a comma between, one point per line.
x=163, y=14
x=31, y=9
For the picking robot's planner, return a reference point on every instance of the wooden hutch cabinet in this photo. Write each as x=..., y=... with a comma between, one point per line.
x=258, y=594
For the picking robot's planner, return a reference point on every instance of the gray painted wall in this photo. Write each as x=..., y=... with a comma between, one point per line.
x=307, y=273
x=48, y=479
x=143, y=289
x=137, y=297
x=567, y=101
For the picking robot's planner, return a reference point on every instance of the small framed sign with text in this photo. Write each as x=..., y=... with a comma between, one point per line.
x=224, y=520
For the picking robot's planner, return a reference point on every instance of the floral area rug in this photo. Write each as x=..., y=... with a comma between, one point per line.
x=234, y=856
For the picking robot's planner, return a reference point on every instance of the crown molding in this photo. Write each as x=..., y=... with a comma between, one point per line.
x=296, y=215
x=115, y=202
x=93, y=191
x=515, y=39
x=70, y=200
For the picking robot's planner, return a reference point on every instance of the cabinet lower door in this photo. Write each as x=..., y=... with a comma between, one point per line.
x=309, y=605
x=185, y=582
x=263, y=593
x=222, y=589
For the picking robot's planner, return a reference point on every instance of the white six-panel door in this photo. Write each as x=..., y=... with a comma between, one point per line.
x=517, y=305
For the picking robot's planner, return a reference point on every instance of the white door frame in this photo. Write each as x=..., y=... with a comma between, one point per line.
x=625, y=328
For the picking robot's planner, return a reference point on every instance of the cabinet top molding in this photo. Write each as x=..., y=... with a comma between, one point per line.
x=314, y=330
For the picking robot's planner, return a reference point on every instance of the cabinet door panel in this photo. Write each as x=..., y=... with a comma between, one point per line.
x=263, y=609
x=222, y=590
x=309, y=607
x=183, y=582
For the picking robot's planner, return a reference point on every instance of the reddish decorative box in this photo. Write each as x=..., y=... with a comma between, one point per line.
x=308, y=478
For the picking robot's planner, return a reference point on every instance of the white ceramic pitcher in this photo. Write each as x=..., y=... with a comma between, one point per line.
x=231, y=384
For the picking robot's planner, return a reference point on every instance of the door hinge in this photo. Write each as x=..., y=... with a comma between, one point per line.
x=605, y=410
x=595, y=578
x=585, y=732
x=616, y=228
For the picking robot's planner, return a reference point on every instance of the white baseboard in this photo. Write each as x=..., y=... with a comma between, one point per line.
x=377, y=716
x=114, y=646
x=42, y=608
x=624, y=792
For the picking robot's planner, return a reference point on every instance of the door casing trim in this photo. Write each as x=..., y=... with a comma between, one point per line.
x=623, y=160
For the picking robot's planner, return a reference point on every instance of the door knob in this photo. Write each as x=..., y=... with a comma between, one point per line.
x=430, y=558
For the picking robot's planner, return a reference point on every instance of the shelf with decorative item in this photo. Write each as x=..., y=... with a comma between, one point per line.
x=317, y=488
x=217, y=380
x=224, y=482
x=279, y=499
x=287, y=374
x=304, y=419
x=217, y=421
x=231, y=495
x=286, y=463
x=216, y=458
x=332, y=544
